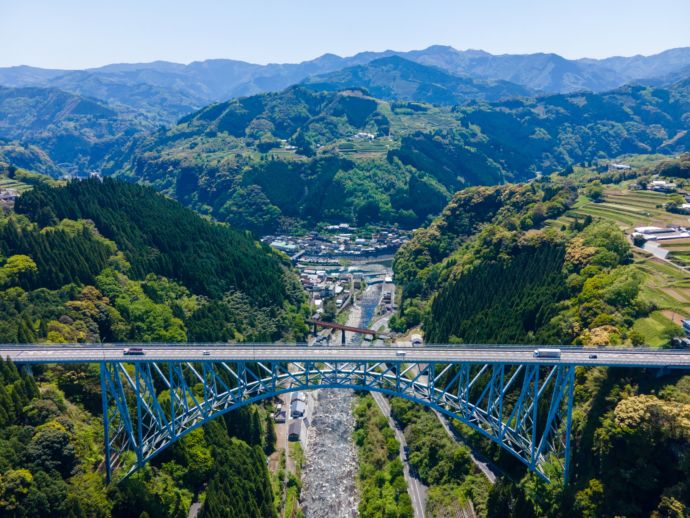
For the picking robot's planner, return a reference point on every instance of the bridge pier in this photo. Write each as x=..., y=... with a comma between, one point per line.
x=106, y=427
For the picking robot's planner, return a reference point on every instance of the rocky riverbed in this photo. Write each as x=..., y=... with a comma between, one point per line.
x=329, y=489
x=330, y=469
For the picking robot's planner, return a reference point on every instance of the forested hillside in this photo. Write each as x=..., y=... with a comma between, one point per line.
x=105, y=261
x=421, y=266
x=51, y=453
x=27, y=156
x=159, y=236
x=299, y=157
x=519, y=138
x=487, y=272
x=288, y=160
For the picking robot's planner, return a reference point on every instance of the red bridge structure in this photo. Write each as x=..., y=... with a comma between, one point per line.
x=343, y=328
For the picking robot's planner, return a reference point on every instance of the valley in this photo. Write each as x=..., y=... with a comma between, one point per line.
x=405, y=284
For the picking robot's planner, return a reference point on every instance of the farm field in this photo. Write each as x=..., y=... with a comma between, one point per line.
x=668, y=288
x=9, y=183
x=664, y=285
x=629, y=209
x=366, y=148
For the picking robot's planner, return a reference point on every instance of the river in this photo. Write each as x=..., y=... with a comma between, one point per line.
x=329, y=476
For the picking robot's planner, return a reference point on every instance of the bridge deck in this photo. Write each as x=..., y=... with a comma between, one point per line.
x=23, y=354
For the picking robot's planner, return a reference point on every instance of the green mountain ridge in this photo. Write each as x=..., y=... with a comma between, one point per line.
x=315, y=152
x=301, y=156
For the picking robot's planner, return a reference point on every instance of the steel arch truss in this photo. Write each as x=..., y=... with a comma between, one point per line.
x=525, y=408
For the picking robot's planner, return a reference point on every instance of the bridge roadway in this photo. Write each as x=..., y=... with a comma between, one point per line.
x=613, y=357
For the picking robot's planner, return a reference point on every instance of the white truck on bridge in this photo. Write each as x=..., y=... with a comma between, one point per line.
x=547, y=353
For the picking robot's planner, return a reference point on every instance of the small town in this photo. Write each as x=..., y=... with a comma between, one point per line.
x=341, y=241
x=336, y=263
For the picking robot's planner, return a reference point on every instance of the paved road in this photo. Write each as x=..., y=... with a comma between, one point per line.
x=194, y=510
x=488, y=469
x=415, y=488
x=612, y=356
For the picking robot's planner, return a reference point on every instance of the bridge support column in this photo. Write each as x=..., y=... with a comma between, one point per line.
x=568, y=424
x=106, y=424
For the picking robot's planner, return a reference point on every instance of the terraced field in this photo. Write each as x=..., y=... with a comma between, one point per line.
x=629, y=209
x=8, y=183
x=366, y=148
x=664, y=285
x=668, y=288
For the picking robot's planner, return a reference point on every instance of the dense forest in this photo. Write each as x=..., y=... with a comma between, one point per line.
x=50, y=456
x=495, y=275
x=420, y=265
x=381, y=482
x=104, y=261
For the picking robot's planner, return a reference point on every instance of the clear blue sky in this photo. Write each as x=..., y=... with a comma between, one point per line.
x=88, y=33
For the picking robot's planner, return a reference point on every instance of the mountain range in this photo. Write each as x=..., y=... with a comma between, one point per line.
x=388, y=138
x=165, y=91
x=394, y=78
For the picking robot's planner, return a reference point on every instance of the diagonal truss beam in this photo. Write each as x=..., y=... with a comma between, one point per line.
x=149, y=405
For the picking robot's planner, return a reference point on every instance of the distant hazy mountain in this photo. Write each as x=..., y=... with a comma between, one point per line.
x=394, y=77
x=551, y=73
x=667, y=80
x=546, y=73
x=27, y=76
x=76, y=131
x=643, y=67
x=163, y=90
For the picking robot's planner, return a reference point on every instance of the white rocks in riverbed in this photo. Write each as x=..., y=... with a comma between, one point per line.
x=331, y=461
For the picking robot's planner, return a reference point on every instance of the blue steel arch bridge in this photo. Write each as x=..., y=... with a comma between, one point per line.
x=520, y=401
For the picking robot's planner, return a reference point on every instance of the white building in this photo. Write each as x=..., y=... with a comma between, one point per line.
x=662, y=186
